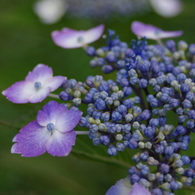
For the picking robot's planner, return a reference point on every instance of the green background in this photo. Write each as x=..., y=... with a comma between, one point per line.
x=25, y=42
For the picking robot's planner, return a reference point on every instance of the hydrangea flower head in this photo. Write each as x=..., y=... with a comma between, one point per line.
x=52, y=132
x=152, y=32
x=123, y=187
x=36, y=86
x=69, y=38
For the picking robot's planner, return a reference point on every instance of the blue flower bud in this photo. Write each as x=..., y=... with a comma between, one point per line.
x=168, y=150
x=103, y=87
x=100, y=104
x=122, y=109
x=184, y=146
x=154, y=122
x=191, y=114
x=170, y=44
x=107, y=69
x=132, y=144
x=104, y=139
x=156, y=191
x=185, y=88
x=189, y=172
x=128, y=103
x=112, y=151
x=159, y=149
x=143, y=83
x=174, y=185
x=90, y=51
x=162, y=120
x=96, y=141
x=126, y=128
x=144, y=156
x=127, y=91
x=65, y=96
x=134, y=80
x=190, y=96
x=135, y=178
x=88, y=98
x=153, y=102
x=164, y=168
x=164, y=97
x=144, y=170
x=192, y=165
x=116, y=116
x=190, y=124
x=173, y=103
x=149, y=132
x=96, y=115
x=133, y=170
x=120, y=147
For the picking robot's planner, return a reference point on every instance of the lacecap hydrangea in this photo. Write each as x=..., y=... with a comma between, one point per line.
x=152, y=83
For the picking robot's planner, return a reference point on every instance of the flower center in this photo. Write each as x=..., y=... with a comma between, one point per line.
x=158, y=32
x=80, y=39
x=50, y=127
x=37, y=85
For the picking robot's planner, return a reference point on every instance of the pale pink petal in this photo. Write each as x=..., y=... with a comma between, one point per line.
x=55, y=82
x=151, y=32
x=50, y=113
x=19, y=92
x=138, y=189
x=60, y=144
x=69, y=38
x=167, y=8
x=68, y=120
x=121, y=187
x=41, y=73
x=93, y=34
x=31, y=140
x=39, y=95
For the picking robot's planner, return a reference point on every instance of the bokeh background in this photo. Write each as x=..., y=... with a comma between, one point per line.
x=25, y=42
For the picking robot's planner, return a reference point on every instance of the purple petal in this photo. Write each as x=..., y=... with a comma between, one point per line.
x=151, y=32
x=19, y=92
x=55, y=82
x=60, y=144
x=39, y=95
x=138, y=189
x=31, y=141
x=69, y=38
x=50, y=113
x=167, y=8
x=68, y=120
x=122, y=187
x=41, y=73
x=93, y=34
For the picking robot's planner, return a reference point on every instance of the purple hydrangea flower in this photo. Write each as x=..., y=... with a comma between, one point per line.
x=123, y=187
x=151, y=32
x=69, y=38
x=36, y=86
x=52, y=132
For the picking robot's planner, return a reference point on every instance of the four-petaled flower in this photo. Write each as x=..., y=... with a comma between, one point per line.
x=69, y=38
x=36, y=86
x=123, y=187
x=152, y=32
x=52, y=132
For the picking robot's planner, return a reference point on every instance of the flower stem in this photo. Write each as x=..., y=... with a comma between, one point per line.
x=53, y=95
x=82, y=132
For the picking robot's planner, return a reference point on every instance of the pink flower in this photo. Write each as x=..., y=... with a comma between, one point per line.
x=36, y=86
x=69, y=38
x=151, y=32
x=52, y=132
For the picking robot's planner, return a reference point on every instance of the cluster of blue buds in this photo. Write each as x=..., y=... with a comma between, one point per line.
x=153, y=82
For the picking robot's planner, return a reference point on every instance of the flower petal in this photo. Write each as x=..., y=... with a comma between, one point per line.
x=50, y=113
x=69, y=38
x=39, y=95
x=31, y=140
x=93, y=34
x=19, y=92
x=122, y=187
x=151, y=32
x=41, y=73
x=167, y=8
x=138, y=189
x=60, y=144
x=55, y=82
x=68, y=120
